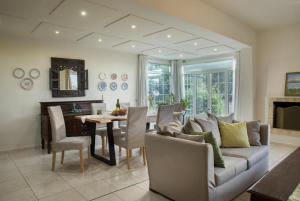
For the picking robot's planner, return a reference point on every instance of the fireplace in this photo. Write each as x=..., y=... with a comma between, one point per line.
x=284, y=115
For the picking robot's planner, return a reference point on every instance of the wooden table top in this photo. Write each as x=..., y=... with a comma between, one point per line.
x=107, y=118
x=281, y=181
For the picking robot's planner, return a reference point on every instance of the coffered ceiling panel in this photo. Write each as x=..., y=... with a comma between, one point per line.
x=181, y=55
x=56, y=32
x=159, y=52
x=99, y=40
x=221, y=49
x=195, y=44
x=83, y=14
x=16, y=25
x=132, y=26
x=28, y=8
x=133, y=46
x=168, y=36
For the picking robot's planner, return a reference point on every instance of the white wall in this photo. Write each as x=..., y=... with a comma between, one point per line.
x=278, y=53
x=19, y=109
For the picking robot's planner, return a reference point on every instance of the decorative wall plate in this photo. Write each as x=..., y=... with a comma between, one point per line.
x=34, y=73
x=113, y=86
x=18, y=73
x=26, y=83
x=102, y=76
x=124, y=77
x=102, y=86
x=124, y=86
x=114, y=76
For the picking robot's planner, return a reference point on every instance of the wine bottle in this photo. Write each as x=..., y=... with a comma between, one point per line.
x=118, y=105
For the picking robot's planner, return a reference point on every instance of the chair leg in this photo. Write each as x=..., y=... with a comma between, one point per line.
x=103, y=145
x=120, y=149
x=130, y=153
x=89, y=152
x=141, y=151
x=81, y=161
x=62, y=157
x=127, y=157
x=144, y=156
x=53, y=160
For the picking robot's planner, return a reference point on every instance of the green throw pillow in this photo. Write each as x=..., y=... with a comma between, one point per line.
x=234, y=135
x=209, y=138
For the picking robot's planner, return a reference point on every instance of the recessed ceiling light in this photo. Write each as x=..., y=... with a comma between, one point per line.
x=169, y=36
x=83, y=13
x=100, y=40
x=159, y=51
x=56, y=32
x=215, y=49
x=195, y=43
x=181, y=55
x=133, y=46
x=133, y=26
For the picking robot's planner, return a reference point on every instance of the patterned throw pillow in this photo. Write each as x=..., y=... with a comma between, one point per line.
x=191, y=126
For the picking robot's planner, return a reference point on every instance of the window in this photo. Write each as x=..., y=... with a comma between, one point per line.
x=209, y=87
x=159, y=89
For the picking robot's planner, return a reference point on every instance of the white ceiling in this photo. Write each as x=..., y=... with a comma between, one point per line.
x=115, y=24
x=261, y=14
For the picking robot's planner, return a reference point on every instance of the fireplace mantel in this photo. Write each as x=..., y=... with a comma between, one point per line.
x=271, y=112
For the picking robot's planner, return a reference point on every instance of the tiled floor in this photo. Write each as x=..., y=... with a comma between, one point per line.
x=25, y=175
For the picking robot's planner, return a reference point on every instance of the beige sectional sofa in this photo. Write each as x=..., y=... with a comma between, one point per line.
x=184, y=170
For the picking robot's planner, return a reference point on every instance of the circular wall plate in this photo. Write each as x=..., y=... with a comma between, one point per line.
x=18, y=73
x=26, y=83
x=113, y=76
x=124, y=86
x=102, y=76
x=113, y=86
x=102, y=86
x=34, y=73
x=124, y=77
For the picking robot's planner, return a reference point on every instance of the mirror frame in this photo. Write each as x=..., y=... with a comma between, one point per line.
x=59, y=64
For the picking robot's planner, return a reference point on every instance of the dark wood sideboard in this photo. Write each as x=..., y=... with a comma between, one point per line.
x=70, y=109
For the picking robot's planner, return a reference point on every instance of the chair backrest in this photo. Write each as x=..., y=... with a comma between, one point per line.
x=178, y=107
x=136, y=126
x=98, y=106
x=125, y=105
x=58, y=127
x=164, y=116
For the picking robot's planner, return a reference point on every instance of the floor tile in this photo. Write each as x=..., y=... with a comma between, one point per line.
x=24, y=194
x=69, y=195
x=95, y=189
x=110, y=197
x=136, y=194
x=49, y=187
x=11, y=186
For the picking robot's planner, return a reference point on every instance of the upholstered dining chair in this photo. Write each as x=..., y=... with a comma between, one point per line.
x=60, y=142
x=165, y=115
x=101, y=129
x=179, y=109
x=134, y=137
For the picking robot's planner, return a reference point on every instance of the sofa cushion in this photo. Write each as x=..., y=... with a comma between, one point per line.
x=196, y=138
x=227, y=119
x=209, y=125
x=253, y=155
x=253, y=131
x=234, y=166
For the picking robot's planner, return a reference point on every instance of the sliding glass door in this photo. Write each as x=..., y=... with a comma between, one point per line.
x=210, y=87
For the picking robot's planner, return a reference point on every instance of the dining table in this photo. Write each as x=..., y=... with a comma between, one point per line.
x=90, y=122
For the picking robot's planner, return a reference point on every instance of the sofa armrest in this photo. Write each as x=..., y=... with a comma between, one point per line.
x=265, y=134
x=180, y=169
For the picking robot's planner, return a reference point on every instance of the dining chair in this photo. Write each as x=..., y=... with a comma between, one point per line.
x=178, y=108
x=165, y=115
x=62, y=143
x=101, y=129
x=135, y=132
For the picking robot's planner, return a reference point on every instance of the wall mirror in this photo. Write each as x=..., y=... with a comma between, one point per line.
x=68, y=77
